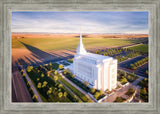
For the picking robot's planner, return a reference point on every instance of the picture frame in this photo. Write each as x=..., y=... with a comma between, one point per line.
x=152, y=6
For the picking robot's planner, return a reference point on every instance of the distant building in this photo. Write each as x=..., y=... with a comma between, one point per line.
x=99, y=71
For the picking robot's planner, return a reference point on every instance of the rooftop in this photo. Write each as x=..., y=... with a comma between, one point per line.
x=96, y=56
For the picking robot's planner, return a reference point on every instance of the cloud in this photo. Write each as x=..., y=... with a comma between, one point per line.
x=70, y=22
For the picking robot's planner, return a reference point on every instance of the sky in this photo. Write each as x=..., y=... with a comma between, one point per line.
x=89, y=22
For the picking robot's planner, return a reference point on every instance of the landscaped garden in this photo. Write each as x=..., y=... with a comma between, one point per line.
x=98, y=94
x=144, y=89
x=129, y=94
x=49, y=89
x=74, y=90
x=125, y=77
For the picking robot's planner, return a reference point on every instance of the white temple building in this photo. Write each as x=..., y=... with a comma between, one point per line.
x=99, y=71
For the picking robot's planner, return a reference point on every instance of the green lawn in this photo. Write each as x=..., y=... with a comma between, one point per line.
x=47, y=44
x=77, y=92
x=141, y=48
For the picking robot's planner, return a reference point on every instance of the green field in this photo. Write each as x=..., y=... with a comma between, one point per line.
x=141, y=48
x=47, y=44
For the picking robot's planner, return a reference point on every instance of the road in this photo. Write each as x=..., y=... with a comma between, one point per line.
x=19, y=89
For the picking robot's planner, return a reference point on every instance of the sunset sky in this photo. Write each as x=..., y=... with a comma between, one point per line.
x=90, y=22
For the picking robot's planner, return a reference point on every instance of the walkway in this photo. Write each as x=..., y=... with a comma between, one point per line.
x=77, y=87
x=34, y=89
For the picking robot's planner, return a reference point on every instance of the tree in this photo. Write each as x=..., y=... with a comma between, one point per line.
x=125, y=74
x=60, y=86
x=37, y=79
x=48, y=73
x=92, y=90
x=39, y=85
x=44, y=84
x=49, y=91
x=29, y=68
x=60, y=66
x=55, y=72
x=101, y=92
x=119, y=99
x=59, y=90
x=28, y=83
x=50, y=64
x=143, y=91
x=130, y=91
x=123, y=81
x=72, y=76
x=75, y=98
x=133, y=66
x=60, y=94
x=96, y=95
x=65, y=94
x=42, y=75
x=147, y=72
x=86, y=83
x=55, y=78
x=22, y=71
x=145, y=79
x=34, y=97
x=129, y=77
x=23, y=75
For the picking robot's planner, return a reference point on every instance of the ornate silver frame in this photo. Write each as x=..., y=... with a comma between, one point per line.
x=7, y=6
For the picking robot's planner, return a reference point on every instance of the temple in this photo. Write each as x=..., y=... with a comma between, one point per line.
x=99, y=71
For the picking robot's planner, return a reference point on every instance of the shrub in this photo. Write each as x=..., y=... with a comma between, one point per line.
x=123, y=81
x=92, y=90
x=130, y=91
x=60, y=66
x=119, y=99
x=96, y=95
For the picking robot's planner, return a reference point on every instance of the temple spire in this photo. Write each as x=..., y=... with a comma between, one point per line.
x=81, y=49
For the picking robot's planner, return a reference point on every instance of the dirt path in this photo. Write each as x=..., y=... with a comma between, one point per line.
x=19, y=90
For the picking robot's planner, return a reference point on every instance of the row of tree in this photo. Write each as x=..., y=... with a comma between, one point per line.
x=121, y=58
x=144, y=89
x=111, y=51
x=138, y=63
x=30, y=89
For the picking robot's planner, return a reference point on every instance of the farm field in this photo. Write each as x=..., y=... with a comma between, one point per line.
x=141, y=48
x=48, y=44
